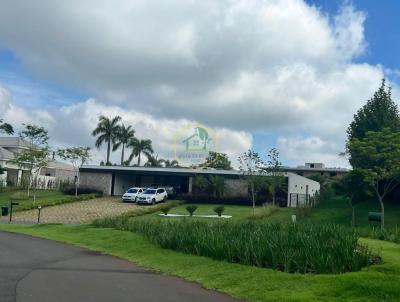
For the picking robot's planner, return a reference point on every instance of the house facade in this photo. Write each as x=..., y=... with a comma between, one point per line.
x=13, y=175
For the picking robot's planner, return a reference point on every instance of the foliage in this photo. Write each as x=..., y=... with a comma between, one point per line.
x=305, y=248
x=171, y=163
x=380, y=112
x=191, y=209
x=37, y=136
x=214, y=183
x=71, y=190
x=209, y=199
x=6, y=128
x=107, y=131
x=19, y=196
x=392, y=235
x=216, y=160
x=140, y=146
x=379, y=152
x=264, y=211
x=154, y=161
x=251, y=167
x=77, y=156
x=219, y=210
x=123, y=136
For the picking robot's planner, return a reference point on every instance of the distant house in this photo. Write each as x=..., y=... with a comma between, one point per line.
x=310, y=169
x=13, y=175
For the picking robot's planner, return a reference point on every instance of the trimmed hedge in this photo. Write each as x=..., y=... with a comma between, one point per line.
x=70, y=190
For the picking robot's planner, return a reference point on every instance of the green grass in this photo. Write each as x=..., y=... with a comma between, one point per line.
x=336, y=210
x=374, y=283
x=43, y=198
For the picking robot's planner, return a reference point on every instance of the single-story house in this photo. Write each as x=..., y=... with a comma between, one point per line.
x=115, y=180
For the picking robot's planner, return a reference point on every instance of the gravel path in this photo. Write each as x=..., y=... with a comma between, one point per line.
x=77, y=212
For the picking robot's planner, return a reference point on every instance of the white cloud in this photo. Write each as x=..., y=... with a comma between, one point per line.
x=73, y=124
x=246, y=65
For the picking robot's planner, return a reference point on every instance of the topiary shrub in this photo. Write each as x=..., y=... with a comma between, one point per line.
x=191, y=209
x=167, y=207
x=219, y=210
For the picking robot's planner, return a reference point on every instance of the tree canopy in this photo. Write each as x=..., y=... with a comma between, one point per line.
x=219, y=161
x=378, y=113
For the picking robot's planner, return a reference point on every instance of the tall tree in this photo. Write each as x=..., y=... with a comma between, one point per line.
x=6, y=128
x=251, y=166
x=107, y=132
x=77, y=156
x=140, y=146
x=376, y=158
x=218, y=161
x=36, y=155
x=275, y=173
x=124, y=135
x=379, y=112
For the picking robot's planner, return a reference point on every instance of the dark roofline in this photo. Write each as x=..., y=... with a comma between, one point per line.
x=308, y=169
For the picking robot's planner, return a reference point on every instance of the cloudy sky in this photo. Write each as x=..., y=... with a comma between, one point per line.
x=275, y=73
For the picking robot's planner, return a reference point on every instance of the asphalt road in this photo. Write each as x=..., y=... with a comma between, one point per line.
x=33, y=269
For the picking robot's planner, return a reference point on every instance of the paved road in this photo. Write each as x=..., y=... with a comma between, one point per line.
x=33, y=269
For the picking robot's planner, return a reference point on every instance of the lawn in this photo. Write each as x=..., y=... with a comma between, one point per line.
x=43, y=198
x=374, y=283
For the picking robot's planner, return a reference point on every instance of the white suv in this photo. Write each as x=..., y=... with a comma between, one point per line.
x=152, y=196
x=131, y=194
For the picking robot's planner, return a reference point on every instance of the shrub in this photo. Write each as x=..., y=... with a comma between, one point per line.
x=392, y=235
x=191, y=209
x=166, y=208
x=264, y=211
x=219, y=210
x=303, y=248
x=70, y=190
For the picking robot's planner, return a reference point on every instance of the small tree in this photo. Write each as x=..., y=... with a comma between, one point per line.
x=191, y=209
x=275, y=173
x=6, y=128
x=214, y=183
x=36, y=156
x=380, y=153
x=77, y=156
x=251, y=167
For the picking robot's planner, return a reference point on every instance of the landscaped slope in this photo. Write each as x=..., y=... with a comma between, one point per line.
x=375, y=283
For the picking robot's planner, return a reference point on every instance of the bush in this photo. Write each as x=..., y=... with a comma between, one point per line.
x=167, y=207
x=70, y=190
x=191, y=209
x=303, y=248
x=219, y=210
x=392, y=235
x=264, y=211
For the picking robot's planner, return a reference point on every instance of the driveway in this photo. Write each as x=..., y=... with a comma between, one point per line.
x=77, y=212
x=33, y=269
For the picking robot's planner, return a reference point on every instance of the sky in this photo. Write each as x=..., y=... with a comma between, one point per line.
x=288, y=74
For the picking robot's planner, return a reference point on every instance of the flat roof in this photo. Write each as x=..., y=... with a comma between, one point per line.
x=308, y=169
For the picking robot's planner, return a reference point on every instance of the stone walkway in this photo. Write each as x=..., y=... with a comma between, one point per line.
x=77, y=212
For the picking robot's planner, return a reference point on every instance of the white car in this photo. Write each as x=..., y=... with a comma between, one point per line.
x=131, y=194
x=152, y=196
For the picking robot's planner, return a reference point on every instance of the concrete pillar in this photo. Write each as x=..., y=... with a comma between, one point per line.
x=19, y=177
x=190, y=184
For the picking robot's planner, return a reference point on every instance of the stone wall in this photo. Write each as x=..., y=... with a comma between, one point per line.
x=235, y=188
x=101, y=181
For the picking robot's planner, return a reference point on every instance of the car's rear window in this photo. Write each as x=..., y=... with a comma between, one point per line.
x=149, y=192
x=132, y=191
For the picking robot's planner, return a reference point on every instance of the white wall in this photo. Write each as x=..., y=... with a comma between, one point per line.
x=123, y=183
x=301, y=185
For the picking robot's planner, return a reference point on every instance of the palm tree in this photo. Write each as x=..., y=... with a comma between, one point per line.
x=140, y=146
x=124, y=135
x=171, y=163
x=107, y=130
x=153, y=161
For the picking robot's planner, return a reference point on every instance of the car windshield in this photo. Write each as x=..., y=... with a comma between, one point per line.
x=132, y=191
x=149, y=192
